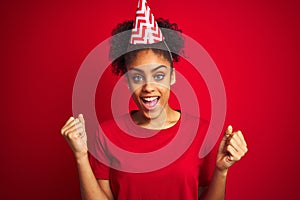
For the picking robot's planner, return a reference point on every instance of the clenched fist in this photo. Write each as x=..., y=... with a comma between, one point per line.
x=74, y=133
x=232, y=148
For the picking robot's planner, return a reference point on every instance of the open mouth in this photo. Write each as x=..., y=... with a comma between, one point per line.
x=150, y=102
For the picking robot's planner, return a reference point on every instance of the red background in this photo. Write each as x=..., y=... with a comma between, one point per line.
x=43, y=43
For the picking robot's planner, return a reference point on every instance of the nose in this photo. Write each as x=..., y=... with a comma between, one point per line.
x=148, y=87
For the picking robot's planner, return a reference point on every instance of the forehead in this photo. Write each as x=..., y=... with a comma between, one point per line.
x=148, y=57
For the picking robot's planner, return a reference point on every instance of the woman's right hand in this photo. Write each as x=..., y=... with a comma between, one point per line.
x=74, y=133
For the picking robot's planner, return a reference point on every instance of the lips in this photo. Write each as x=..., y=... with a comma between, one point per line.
x=150, y=102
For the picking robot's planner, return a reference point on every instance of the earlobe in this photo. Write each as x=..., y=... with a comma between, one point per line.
x=173, y=77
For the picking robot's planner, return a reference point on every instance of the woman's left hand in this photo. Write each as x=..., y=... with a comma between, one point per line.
x=232, y=148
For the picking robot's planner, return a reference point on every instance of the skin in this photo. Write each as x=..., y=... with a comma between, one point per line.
x=150, y=75
x=152, y=80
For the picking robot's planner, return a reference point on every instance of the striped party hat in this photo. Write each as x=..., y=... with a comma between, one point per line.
x=146, y=30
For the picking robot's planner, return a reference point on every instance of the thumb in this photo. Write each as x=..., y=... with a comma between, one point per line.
x=228, y=130
x=223, y=142
x=81, y=119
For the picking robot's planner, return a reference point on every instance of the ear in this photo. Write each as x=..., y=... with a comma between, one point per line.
x=173, y=76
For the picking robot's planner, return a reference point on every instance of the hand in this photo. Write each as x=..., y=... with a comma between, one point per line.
x=74, y=133
x=232, y=148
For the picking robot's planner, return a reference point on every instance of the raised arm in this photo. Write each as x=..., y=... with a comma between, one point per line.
x=232, y=148
x=91, y=188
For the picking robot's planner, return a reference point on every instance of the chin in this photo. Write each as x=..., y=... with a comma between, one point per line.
x=151, y=114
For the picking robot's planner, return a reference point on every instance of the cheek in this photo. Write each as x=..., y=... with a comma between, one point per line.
x=135, y=92
x=135, y=89
x=165, y=94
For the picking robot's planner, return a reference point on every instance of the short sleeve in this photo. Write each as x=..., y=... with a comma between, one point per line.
x=101, y=171
x=208, y=167
x=98, y=157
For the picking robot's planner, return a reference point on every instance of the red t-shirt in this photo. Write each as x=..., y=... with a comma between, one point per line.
x=173, y=174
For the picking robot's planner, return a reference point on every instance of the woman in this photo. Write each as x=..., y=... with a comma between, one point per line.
x=150, y=74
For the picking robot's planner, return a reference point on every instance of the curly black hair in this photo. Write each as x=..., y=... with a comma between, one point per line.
x=119, y=44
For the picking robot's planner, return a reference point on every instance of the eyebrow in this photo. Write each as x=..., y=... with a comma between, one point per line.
x=155, y=69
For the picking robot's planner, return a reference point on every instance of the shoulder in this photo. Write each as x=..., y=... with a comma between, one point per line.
x=193, y=120
x=115, y=122
x=117, y=127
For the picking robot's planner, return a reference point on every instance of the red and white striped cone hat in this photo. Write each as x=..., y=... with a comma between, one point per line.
x=146, y=30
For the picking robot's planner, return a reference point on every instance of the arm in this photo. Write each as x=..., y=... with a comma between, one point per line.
x=91, y=189
x=232, y=148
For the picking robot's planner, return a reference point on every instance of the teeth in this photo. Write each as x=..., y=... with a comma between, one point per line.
x=150, y=98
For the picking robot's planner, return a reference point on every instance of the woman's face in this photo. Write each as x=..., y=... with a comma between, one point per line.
x=149, y=78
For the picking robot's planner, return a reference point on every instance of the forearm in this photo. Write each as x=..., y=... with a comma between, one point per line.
x=90, y=189
x=216, y=189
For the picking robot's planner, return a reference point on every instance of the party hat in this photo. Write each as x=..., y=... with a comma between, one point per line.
x=146, y=30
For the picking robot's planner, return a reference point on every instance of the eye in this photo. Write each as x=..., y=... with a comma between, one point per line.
x=159, y=77
x=137, y=78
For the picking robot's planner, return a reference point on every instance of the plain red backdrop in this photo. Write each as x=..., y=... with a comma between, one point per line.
x=43, y=43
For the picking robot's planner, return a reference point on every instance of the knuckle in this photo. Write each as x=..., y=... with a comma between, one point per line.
x=68, y=135
x=74, y=136
x=228, y=148
x=78, y=125
x=80, y=130
x=235, y=138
